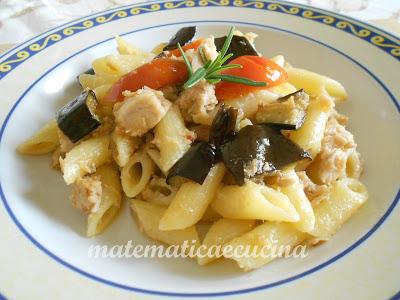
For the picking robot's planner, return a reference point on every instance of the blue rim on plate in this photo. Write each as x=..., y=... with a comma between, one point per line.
x=386, y=42
x=359, y=29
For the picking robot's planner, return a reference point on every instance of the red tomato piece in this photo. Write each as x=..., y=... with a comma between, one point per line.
x=155, y=74
x=193, y=45
x=256, y=68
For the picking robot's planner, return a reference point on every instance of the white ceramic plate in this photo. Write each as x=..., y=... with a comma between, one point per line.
x=38, y=76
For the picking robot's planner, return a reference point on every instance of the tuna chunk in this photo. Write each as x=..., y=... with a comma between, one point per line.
x=209, y=50
x=314, y=192
x=140, y=111
x=330, y=163
x=86, y=194
x=197, y=102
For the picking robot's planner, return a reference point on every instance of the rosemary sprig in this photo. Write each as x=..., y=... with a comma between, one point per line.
x=211, y=71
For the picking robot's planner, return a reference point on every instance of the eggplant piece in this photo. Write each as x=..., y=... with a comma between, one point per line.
x=223, y=126
x=183, y=36
x=89, y=71
x=257, y=149
x=77, y=118
x=282, y=126
x=287, y=113
x=239, y=46
x=195, y=164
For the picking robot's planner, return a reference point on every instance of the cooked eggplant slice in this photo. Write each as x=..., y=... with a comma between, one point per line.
x=286, y=113
x=282, y=126
x=195, y=164
x=183, y=36
x=223, y=126
x=245, y=155
x=239, y=46
x=257, y=149
x=77, y=118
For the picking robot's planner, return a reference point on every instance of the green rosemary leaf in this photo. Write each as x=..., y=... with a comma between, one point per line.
x=186, y=60
x=211, y=69
x=228, y=56
x=215, y=62
x=208, y=63
x=237, y=79
x=228, y=41
x=213, y=81
x=198, y=75
x=219, y=69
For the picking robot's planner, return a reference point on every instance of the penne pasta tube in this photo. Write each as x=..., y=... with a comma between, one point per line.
x=191, y=201
x=221, y=232
x=254, y=201
x=316, y=84
x=42, y=142
x=346, y=197
x=111, y=198
x=149, y=215
x=264, y=243
x=85, y=157
x=136, y=173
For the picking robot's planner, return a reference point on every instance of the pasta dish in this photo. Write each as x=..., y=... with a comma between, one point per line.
x=206, y=132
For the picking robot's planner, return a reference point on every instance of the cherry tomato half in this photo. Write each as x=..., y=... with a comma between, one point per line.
x=256, y=68
x=155, y=74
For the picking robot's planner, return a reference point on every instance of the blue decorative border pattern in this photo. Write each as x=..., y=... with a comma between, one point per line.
x=387, y=44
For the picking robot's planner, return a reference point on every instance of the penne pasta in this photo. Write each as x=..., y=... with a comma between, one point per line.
x=248, y=105
x=111, y=197
x=310, y=134
x=191, y=201
x=171, y=140
x=123, y=146
x=221, y=232
x=316, y=84
x=149, y=216
x=119, y=64
x=85, y=157
x=210, y=215
x=158, y=191
x=295, y=192
x=89, y=81
x=345, y=198
x=42, y=142
x=124, y=47
x=254, y=201
x=353, y=164
x=136, y=173
x=266, y=242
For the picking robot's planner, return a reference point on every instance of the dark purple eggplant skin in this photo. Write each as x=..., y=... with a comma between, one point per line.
x=265, y=146
x=281, y=126
x=89, y=71
x=286, y=97
x=239, y=46
x=183, y=36
x=223, y=126
x=76, y=119
x=195, y=164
